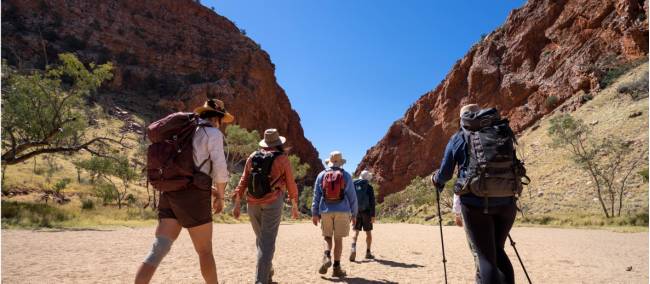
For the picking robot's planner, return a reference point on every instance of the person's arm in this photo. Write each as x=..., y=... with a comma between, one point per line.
x=219, y=169
x=446, y=170
x=456, y=209
x=315, y=204
x=219, y=166
x=371, y=195
x=292, y=188
x=351, y=194
x=241, y=189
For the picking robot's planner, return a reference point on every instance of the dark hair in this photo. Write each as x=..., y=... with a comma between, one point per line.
x=210, y=114
x=279, y=148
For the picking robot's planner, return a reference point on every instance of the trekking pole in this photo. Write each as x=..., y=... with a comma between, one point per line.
x=512, y=243
x=442, y=241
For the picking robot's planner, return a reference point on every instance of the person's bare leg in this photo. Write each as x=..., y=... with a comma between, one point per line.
x=202, y=239
x=338, y=248
x=353, y=249
x=169, y=228
x=354, y=238
x=328, y=243
x=327, y=256
x=368, y=240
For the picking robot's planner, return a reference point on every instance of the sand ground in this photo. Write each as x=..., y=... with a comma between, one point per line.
x=405, y=254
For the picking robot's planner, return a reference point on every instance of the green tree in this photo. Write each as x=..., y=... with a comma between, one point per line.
x=299, y=169
x=96, y=167
x=105, y=171
x=40, y=109
x=609, y=162
x=240, y=143
x=305, y=198
x=126, y=174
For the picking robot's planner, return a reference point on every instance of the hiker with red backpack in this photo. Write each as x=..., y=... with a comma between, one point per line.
x=186, y=163
x=266, y=180
x=366, y=217
x=335, y=207
x=488, y=182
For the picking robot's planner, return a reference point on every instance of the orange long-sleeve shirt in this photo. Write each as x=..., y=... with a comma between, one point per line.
x=281, y=169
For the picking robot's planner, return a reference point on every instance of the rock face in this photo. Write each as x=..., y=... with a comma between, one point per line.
x=169, y=55
x=553, y=49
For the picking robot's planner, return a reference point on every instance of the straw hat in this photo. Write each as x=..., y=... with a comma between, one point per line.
x=365, y=175
x=469, y=108
x=335, y=160
x=217, y=106
x=272, y=138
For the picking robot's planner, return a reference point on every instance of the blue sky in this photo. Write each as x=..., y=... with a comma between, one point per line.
x=351, y=68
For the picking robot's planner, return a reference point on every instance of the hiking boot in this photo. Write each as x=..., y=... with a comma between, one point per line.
x=327, y=262
x=271, y=275
x=369, y=255
x=353, y=255
x=338, y=272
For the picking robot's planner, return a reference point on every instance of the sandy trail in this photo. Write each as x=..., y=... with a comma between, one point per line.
x=405, y=254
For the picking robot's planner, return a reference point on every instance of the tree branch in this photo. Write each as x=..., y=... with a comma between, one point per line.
x=85, y=146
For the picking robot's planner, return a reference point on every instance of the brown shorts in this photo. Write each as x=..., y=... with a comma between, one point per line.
x=191, y=207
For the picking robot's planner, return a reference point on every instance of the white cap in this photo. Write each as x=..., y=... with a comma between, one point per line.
x=365, y=175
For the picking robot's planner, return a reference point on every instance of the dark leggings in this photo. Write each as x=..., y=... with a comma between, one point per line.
x=487, y=234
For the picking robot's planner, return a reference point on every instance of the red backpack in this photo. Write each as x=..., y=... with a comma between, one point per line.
x=333, y=185
x=170, y=163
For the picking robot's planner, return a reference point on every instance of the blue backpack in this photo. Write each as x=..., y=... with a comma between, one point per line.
x=363, y=198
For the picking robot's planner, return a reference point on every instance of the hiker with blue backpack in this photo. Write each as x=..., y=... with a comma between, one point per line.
x=266, y=181
x=489, y=179
x=366, y=216
x=335, y=207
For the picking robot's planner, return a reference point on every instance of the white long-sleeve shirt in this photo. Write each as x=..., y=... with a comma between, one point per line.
x=208, y=144
x=456, y=207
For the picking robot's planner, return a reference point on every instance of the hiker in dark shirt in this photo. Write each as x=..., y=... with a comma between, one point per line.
x=487, y=220
x=366, y=216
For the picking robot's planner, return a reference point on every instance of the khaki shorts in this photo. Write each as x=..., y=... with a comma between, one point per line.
x=335, y=224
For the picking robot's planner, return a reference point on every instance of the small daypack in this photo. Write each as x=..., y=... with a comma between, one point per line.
x=493, y=169
x=361, y=186
x=260, y=183
x=170, y=163
x=333, y=185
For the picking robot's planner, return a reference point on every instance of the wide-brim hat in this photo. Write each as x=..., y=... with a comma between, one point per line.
x=335, y=160
x=215, y=106
x=272, y=138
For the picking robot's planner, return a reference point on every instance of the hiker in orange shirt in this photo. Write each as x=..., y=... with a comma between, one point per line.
x=266, y=180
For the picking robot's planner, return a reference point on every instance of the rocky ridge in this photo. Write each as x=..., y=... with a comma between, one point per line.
x=546, y=53
x=169, y=55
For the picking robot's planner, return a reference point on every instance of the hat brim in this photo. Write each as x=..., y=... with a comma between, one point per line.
x=330, y=164
x=276, y=143
x=227, y=117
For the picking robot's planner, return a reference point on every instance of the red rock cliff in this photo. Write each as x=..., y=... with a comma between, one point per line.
x=169, y=54
x=546, y=48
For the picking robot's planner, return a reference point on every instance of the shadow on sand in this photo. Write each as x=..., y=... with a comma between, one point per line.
x=58, y=230
x=392, y=263
x=356, y=280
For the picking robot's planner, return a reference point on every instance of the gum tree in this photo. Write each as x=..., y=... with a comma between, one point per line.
x=41, y=110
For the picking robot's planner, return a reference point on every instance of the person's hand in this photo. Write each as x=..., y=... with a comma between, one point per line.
x=372, y=220
x=217, y=205
x=353, y=220
x=458, y=220
x=294, y=212
x=236, y=210
x=315, y=219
